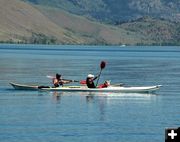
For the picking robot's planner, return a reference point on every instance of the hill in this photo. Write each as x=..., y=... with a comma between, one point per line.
x=21, y=22
x=161, y=32
x=24, y=22
x=117, y=10
x=92, y=32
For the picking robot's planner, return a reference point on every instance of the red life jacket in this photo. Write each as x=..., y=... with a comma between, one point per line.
x=102, y=86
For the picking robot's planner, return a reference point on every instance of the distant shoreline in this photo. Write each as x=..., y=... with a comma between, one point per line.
x=88, y=45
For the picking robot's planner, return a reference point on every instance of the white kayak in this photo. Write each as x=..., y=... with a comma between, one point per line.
x=120, y=89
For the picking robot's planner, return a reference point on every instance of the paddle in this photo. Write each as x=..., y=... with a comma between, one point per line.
x=102, y=66
x=81, y=81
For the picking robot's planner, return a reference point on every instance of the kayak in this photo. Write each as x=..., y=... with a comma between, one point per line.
x=111, y=88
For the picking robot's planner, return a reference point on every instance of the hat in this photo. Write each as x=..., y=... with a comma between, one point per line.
x=90, y=76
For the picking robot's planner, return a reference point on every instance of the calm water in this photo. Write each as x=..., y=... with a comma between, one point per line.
x=30, y=116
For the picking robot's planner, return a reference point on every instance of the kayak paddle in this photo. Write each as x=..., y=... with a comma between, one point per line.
x=102, y=66
x=83, y=82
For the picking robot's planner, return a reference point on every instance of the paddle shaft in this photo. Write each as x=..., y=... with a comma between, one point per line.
x=98, y=78
x=71, y=80
x=102, y=66
x=48, y=76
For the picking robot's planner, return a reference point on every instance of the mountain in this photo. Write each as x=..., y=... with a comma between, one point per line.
x=76, y=22
x=117, y=10
x=22, y=22
x=161, y=32
x=92, y=32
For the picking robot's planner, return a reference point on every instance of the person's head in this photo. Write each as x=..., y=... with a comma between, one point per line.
x=90, y=76
x=58, y=76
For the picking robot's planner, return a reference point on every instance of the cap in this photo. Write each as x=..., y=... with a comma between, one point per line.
x=90, y=76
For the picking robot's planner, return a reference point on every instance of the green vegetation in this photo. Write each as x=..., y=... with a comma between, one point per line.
x=161, y=32
x=36, y=38
x=41, y=39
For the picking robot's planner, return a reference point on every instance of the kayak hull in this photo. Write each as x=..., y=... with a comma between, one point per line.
x=23, y=87
x=120, y=89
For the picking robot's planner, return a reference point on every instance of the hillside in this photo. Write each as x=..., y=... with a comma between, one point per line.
x=92, y=32
x=162, y=32
x=20, y=22
x=117, y=10
x=25, y=23
x=37, y=23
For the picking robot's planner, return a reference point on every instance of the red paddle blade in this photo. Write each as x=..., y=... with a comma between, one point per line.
x=103, y=64
x=83, y=82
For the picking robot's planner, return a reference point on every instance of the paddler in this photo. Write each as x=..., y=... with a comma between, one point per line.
x=90, y=81
x=58, y=81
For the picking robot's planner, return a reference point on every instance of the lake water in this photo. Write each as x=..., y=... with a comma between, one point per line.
x=32, y=116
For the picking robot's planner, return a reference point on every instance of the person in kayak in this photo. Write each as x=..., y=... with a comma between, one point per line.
x=58, y=81
x=90, y=81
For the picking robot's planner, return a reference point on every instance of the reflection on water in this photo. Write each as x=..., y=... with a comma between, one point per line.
x=102, y=101
x=57, y=97
x=91, y=96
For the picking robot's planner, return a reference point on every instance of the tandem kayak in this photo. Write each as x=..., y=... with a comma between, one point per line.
x=120, y=89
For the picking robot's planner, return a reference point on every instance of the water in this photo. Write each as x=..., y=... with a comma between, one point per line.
x=28, y=116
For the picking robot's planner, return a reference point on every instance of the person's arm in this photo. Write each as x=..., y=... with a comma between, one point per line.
x=66, y=81
x=96, y=77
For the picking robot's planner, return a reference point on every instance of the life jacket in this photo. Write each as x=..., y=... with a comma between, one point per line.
x=90, y=84
x=102, y=86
